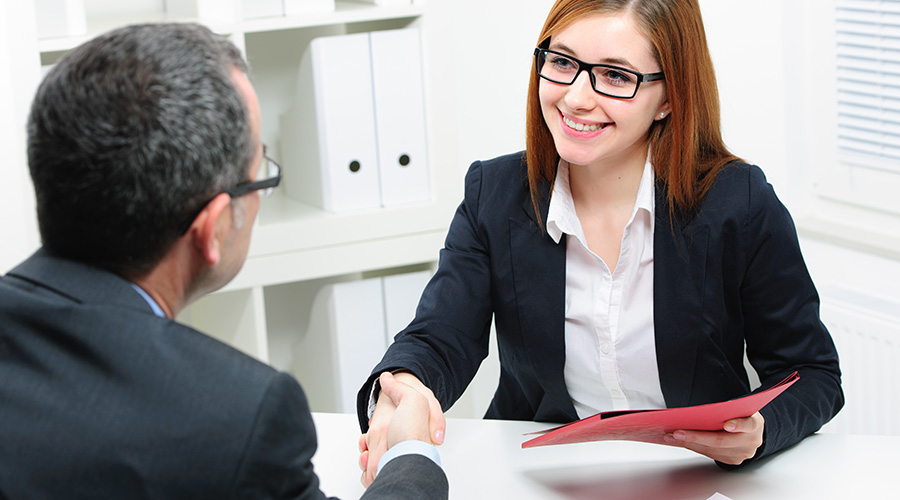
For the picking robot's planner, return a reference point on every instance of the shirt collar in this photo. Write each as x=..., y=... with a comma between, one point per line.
x=152, y=303
x=561, y=216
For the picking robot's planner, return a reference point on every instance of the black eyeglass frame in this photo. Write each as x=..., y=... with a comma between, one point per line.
x=583, y=66
x=248, y=186
x=241, y=189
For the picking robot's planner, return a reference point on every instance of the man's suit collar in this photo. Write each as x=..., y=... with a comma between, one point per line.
x=78, y=281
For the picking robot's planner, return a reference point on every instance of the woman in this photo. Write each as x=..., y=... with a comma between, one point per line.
x=627, y=257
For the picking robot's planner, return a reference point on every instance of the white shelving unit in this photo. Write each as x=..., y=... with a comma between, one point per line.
x=296, y=248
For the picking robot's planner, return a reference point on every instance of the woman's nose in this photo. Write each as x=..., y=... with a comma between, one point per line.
x=581, y=93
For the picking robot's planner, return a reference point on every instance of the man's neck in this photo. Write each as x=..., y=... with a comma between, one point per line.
x=171, y=283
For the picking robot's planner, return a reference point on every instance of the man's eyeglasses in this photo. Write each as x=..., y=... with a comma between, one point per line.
x=268, y=178
x=611, y=81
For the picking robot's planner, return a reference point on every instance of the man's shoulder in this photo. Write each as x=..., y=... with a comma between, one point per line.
x=115, y=325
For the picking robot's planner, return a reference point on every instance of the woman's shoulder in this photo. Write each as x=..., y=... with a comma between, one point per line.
x=503, y=174
x=740, y=185
x=508, y=164
x=742, y=197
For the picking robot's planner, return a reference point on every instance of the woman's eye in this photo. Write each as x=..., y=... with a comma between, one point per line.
x=562, y=63
x=616, y=77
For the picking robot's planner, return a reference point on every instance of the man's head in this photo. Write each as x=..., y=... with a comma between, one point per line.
x=131, y=135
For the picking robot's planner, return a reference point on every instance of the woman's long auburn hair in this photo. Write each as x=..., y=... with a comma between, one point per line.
x=686, y=148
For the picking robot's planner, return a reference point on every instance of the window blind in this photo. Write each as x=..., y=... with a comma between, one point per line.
x=868, y=83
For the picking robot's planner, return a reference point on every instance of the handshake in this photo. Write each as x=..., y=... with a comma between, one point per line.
x=406, y=411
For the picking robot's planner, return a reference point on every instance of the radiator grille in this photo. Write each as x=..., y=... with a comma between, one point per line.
x=866, y=331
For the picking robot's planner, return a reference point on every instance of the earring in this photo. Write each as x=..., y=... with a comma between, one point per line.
x=662, y=115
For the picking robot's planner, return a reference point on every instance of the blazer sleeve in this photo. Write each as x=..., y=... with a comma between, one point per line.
x=448, y=339
x=277, y=462
x=780, y=308
x=413, y=477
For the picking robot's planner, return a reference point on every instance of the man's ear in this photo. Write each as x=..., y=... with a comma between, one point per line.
x=206, y=230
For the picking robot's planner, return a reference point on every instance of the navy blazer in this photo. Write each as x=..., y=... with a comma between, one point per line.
x=731, y=273
x=100, y=398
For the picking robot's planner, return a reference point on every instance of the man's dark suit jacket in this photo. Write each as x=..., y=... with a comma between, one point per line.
x=730, y=273
x=100, y=398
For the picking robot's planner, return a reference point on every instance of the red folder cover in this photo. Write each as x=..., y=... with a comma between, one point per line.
x=650, y=426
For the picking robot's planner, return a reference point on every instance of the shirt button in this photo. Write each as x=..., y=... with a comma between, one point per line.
x=604, y=348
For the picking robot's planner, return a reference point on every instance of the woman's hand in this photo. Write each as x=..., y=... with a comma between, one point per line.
x=737, y=442
x=387, y=429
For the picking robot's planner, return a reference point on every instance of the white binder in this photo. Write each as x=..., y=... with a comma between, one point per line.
x=294, y=7
x=58, y=18
x=263, y=8
x=384, y=3
x=206, y=11
x=328, y=138
x=400, y=116
x=344, y=341
x=401, y=297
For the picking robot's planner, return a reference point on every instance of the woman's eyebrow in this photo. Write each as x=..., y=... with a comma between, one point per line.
x=617, y=61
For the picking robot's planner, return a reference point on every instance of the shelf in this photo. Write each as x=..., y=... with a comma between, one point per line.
x=286, y=224
x=344, y=13
x=321, y=261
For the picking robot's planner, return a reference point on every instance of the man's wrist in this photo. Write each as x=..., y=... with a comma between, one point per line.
x=410, y=447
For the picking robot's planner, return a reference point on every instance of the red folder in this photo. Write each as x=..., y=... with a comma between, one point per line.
x=650, y=426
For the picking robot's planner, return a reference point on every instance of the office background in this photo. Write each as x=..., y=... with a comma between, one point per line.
x=776, y=65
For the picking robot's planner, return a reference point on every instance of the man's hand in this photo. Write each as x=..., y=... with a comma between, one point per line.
x=406, y=409
x=737, y=442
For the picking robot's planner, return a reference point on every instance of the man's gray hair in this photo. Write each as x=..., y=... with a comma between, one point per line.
x=129, y=136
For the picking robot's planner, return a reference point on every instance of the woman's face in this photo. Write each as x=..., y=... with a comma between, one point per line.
x=592, y=129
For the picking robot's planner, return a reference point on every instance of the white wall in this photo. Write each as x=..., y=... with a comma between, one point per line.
x=493, y=47
x=18, y=76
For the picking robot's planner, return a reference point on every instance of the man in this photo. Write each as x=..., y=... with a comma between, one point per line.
x=144, y=148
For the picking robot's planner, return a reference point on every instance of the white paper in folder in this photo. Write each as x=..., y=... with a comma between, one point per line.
x=399, y=116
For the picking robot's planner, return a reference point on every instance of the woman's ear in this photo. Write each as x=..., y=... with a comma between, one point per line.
x=206, y=229
x=663, y=111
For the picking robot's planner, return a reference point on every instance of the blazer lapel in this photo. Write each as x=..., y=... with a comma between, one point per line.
x=679, y=273
x=539, y=276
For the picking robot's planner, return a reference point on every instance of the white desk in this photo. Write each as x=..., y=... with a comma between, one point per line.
x=484, y=460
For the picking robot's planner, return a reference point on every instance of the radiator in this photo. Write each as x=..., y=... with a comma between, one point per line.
x=866, y=331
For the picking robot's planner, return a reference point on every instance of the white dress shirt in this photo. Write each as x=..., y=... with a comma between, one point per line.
x=610, y=341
